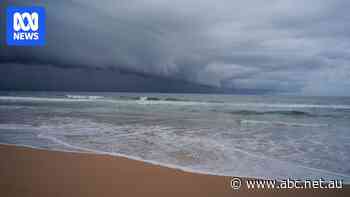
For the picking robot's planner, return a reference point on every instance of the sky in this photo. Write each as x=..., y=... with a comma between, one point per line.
x=241, y=46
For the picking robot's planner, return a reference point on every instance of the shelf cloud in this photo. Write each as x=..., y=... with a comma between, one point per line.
x=290, y=47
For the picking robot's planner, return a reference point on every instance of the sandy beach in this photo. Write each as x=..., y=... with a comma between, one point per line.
x=31, y=172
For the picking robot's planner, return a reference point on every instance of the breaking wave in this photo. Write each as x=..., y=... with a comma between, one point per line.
x=292, y=108
x=150, y=98
x=287, y=113
x=84, y=97
x=280, y=123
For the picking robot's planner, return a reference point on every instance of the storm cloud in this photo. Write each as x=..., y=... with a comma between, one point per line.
x=290, y=47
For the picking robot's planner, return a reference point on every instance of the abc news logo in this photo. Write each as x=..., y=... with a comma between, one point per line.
x=25, y=26
x=29, y=29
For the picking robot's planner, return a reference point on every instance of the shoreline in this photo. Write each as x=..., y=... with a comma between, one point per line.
x=80, y=150
x=25, y=171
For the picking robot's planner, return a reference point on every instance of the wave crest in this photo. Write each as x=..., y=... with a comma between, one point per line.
x=287, y=113
x=89, y=97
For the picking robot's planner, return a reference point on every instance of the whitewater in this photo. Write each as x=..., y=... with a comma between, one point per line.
x=254, y=136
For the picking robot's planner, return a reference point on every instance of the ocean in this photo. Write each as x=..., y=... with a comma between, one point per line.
x=275, y=137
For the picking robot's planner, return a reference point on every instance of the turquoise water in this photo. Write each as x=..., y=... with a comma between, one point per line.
x=255, y=136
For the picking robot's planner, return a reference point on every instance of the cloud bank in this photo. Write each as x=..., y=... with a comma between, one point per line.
x=290, y=47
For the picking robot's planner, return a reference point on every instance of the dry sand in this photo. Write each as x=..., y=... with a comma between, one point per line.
x=29, y=172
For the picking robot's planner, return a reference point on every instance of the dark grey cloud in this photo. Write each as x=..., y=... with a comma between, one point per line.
x=291, y=46
x=52, y=78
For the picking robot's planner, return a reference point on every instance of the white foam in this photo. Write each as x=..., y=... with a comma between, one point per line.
x=16, y=126
x=126, y=156
x=239, y=149
x=189, y=169
x=289, y=105
x=293, y=124
x=89, y=97
x=261, y=165
x=143, y=100
x=44, y=99
x=165, y=136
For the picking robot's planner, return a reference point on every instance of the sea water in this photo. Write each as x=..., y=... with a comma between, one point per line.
x=254, y=136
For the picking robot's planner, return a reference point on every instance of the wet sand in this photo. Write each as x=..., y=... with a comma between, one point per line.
x=32, y=172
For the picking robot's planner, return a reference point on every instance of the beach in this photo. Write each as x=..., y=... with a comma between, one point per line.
x=245, y=136
x=32, y=172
